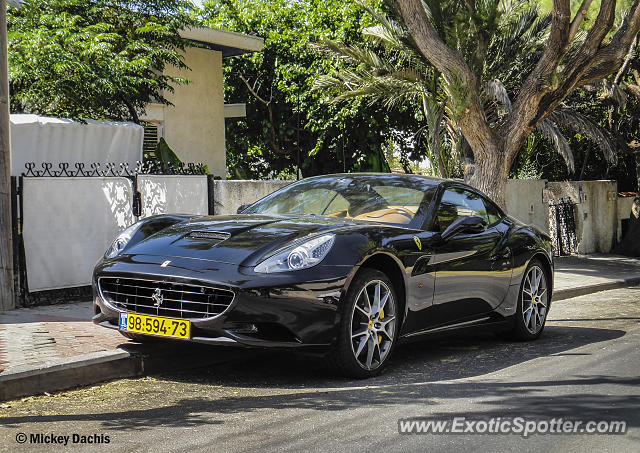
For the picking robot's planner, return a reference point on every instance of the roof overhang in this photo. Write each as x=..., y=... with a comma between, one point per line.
x=229, y=43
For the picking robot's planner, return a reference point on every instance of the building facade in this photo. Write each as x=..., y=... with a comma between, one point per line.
x=193, y=126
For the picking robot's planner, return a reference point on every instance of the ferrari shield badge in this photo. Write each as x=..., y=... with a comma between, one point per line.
x=416, y=239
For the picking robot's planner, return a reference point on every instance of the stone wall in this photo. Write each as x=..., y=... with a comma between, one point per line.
x=524, y=202
x=229, y=195
x=597, y=217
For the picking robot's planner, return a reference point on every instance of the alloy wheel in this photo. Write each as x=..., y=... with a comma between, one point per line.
x=534, y=300
x=373, y=323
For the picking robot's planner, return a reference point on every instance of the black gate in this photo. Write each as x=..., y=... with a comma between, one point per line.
x=562, y=227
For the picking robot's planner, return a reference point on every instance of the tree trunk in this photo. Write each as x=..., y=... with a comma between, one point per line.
x=638, y=173
x=6, y=248
x=132, y=110
x=490, y=175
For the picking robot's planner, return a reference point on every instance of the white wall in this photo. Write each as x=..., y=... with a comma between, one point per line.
x=68, y=223
x=173, y=194
x=524, y=202
x=624, y=212
x=42, y=139
x=194, y=125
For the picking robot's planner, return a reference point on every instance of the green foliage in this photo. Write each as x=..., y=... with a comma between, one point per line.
x=614, y=109
x=165, y=155
x=285, y=118
x=93, y=58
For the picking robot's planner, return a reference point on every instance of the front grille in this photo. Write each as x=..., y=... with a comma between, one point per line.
x=173, y=300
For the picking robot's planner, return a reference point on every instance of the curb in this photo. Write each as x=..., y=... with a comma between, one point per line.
x=70, y=372
x=131, y=360
x=570, y=293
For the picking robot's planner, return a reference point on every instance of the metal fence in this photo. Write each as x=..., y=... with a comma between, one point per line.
x=562, y=227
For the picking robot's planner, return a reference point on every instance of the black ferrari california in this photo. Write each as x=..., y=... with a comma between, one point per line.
x=345, y=265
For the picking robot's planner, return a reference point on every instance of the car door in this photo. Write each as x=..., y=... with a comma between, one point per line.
x=473, y=270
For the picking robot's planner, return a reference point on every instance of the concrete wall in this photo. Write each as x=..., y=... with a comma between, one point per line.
x=524, y=202
x=599, y=210
x=624, y=212
x=597, y=219
x=229, y=195
x=194, y=126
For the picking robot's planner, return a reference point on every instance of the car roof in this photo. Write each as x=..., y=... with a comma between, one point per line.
x=388, y=175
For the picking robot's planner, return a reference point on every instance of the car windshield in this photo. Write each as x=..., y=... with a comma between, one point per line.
x=386, y=199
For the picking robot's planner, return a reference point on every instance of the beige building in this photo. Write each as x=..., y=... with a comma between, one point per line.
x=194, y=126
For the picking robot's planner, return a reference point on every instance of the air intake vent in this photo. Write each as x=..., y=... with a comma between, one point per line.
x=209, y=235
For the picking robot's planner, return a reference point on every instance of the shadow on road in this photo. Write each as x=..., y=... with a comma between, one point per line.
x=414, y=378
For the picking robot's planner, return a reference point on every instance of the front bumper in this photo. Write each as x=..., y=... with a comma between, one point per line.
x=284, y=310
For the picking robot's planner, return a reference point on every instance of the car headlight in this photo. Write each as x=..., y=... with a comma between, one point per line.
x=300, y=256
x=118, y=245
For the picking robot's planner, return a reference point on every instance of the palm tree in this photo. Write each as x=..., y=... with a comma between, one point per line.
x=389, y=70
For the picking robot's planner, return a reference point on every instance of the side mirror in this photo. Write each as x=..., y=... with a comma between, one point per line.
x=241, y=208
x=464, y=224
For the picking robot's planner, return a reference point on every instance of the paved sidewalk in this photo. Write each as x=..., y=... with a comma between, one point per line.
x=58, y=346
x=579, y=275
x=42, y=335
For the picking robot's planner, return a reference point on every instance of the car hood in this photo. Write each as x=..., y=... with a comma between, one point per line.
x=238, y=239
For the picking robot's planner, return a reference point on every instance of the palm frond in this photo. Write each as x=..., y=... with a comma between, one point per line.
x=506, y=42
x=583, y=125
x=551, y=132
x=615, y=92
x=354, y=54
x=390, y=39
x=634, y=88
x=512, y=52
x=497, y=92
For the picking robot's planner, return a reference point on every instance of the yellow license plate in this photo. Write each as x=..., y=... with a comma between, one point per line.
x=155, y=325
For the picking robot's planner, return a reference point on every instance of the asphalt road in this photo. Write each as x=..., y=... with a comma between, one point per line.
x=585, y=367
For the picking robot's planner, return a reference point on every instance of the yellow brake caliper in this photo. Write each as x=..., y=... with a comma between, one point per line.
x=381, y=316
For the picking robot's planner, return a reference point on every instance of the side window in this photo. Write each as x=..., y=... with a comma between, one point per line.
x=458, y=202
x=338, y=207
x=309, y=201
x=493, y=213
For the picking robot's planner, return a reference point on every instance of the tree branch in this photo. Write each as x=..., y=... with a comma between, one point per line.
x=275, y=146
x=627, y=60
x=131, y=108
x=526, y=113
x=608, y=59
x=601, y=26
x=579, y=17
x=252, y=90
x=454, y=69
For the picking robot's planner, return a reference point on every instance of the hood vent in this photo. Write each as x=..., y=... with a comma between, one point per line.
x=209, y=235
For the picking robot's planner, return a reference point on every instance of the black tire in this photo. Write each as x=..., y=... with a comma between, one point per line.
x=528, y=328
x=379, y=331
